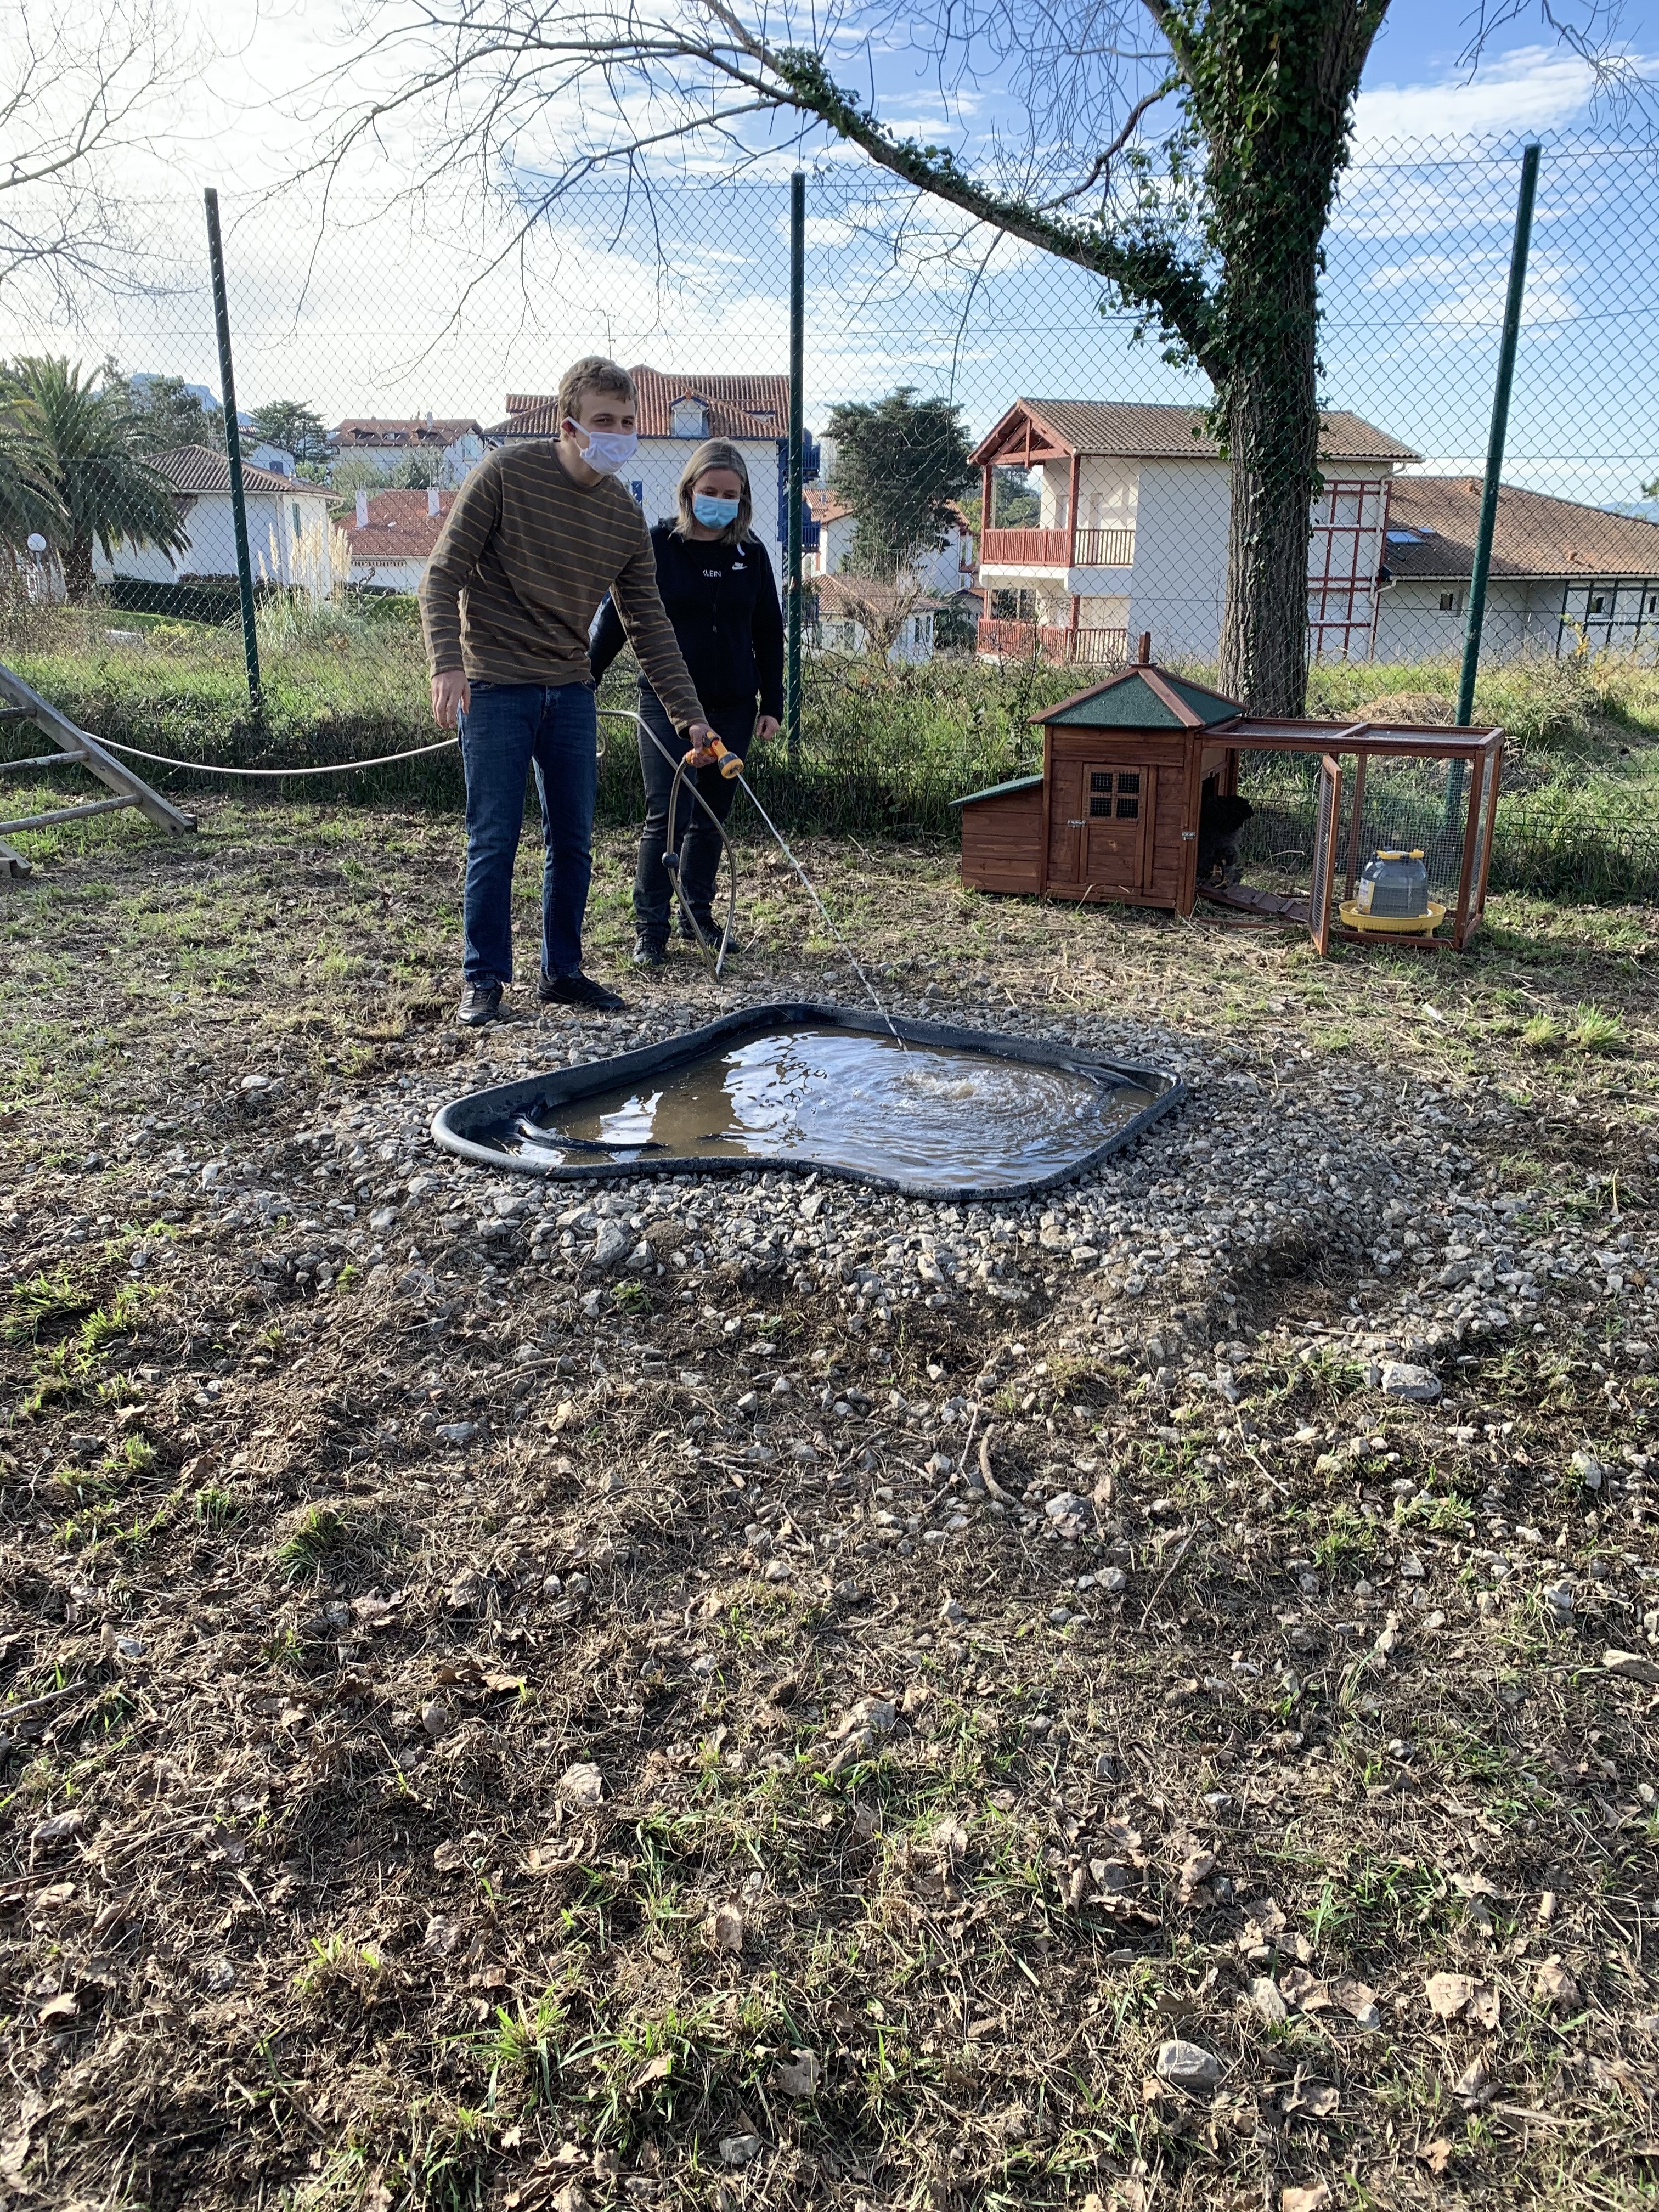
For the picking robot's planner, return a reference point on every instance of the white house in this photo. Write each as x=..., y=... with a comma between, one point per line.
x=675, y=413
x=943, y=570
x=391, y=537
x=1125, y=531
x=854, y=613
x=289, y=541
x=1561, y=573
x=453, y=445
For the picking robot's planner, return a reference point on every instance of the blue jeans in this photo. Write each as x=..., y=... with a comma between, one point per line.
x=508, y=729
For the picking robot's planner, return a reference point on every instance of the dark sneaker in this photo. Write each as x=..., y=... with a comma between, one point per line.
x=648, y=952
x=705, y=922
x=578, y=990
x=481, y=1003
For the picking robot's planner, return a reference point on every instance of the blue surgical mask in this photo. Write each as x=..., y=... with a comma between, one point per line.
x=714, y=513
x=607, y=451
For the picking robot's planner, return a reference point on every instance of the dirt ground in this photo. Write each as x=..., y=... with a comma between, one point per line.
x=553, y=1815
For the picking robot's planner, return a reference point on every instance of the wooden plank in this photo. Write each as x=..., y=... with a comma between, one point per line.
x=12, y=863
x=67, y=814
x=104, y=765
x=40, y=760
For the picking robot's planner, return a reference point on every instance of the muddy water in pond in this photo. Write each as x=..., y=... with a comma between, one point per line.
x=847, y=1100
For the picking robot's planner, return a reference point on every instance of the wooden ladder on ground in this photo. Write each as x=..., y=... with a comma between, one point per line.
x=19, y=704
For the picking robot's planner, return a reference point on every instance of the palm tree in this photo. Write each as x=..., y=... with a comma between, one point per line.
x=93, y=445
x=29, y=503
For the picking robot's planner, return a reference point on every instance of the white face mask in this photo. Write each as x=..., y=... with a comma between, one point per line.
x=607, y=451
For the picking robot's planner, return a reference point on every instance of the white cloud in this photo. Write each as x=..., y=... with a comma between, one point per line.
x=1529, y=88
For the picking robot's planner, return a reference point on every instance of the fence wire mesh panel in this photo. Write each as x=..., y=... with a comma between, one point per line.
x=1007, y=483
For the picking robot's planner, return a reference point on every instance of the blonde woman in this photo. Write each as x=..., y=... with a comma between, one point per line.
x=721, y=599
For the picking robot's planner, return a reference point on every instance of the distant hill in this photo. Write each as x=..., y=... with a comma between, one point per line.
x=1642, y=510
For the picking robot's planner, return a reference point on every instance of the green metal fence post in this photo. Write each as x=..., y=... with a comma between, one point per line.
x=234, y=453
x=797, y=370
x=1480, y=568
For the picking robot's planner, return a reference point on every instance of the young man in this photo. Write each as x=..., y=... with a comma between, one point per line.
x=538, y=536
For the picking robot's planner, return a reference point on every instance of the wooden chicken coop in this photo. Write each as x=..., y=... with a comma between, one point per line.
x=1139, y=803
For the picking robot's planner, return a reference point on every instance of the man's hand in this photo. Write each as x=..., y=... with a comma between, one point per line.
x=451, y=697
x=767, y=727
x=697, y=738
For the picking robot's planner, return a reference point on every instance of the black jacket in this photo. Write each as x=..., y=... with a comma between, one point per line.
x=723, y=603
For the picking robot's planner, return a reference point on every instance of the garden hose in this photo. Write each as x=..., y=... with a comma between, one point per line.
x=712, y=959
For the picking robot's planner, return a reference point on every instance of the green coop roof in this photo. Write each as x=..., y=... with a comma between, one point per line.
x=1000, y=790
x=1143, y=698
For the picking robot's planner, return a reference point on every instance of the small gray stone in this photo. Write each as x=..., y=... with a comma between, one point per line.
x=1188, y=2066
x=1112, y=1582
x=738, y=2150
x=1632, y=1665
x=457, y=1433
x=611, y=1247
x=1264, y=1995
x=1557, y=1598
x=1421, y=1385
x=1588, y=1469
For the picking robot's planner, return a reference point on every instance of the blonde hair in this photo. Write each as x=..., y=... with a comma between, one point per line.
x=716, y=453
x=592, y=373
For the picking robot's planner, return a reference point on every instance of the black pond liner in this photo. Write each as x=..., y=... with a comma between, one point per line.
x=482, y=1127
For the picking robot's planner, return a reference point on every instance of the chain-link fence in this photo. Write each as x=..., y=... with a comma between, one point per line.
x=1075, y=494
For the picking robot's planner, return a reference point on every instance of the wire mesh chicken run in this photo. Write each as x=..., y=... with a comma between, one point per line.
x=1327, y=805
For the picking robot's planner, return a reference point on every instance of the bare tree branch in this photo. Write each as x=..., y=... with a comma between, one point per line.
x=81, y=87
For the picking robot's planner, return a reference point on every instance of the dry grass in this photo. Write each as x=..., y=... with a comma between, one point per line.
x=336, y=1929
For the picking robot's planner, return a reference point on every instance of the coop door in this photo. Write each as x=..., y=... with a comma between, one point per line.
x=1067, y=823
x=1118, y=804
x=1326, y=811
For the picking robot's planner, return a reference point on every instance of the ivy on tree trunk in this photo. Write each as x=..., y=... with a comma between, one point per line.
x=1223, y=258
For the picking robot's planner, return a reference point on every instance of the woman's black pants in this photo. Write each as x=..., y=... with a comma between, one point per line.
x=691, y=835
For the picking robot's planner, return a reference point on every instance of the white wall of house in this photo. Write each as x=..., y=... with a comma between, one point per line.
x=941, y=571
x=915, y=642
x=388, y=575
x=455, y=461
x=1178, y=585
x=274, y=525
x=834, y=543
x=1522, y=616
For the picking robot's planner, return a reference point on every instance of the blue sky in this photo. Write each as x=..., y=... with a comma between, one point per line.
x=379, y=318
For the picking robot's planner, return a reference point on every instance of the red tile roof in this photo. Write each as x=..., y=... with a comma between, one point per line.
x=1132, y=431
x=381, y=431
x=398, y=527
x=739, y=406
x=1535, y=535
x=823, y=505
x=845, y=595
x=198, y=468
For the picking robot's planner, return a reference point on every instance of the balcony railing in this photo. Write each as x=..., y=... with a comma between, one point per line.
x=1058, y=549
x=1019, y=640
x=1104, y=548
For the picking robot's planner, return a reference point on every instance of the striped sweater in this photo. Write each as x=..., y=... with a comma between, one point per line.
x=520, y=567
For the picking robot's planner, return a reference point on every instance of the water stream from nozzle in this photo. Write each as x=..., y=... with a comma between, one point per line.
x=829, y=920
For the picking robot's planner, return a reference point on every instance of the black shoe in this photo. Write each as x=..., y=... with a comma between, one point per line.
x=649, y=950
x=705, y=922
x=578, y=990
x=481, y=1003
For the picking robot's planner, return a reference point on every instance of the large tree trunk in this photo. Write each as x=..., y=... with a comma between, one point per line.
x=1272, y=88
x=78, y=570
x=1272, y=419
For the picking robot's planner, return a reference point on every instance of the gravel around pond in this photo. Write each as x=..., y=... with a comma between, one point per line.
x=748, y=1689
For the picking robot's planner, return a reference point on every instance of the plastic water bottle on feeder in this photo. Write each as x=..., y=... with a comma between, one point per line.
x=1393, y=894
